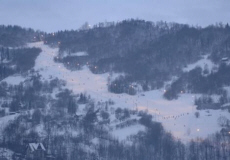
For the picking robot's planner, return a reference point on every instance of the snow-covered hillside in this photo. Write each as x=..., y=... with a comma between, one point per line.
x=177, y=116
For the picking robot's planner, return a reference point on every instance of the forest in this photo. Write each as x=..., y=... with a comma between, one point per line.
x=148, y=54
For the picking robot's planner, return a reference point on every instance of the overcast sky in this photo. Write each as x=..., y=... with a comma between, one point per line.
x=53, y=15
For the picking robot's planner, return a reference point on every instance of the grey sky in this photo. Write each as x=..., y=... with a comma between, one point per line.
x=53, y=15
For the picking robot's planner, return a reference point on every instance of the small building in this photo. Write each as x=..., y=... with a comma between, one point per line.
x=35, y=151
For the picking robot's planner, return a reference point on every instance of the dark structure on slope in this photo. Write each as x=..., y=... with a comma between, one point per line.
x=35, y=151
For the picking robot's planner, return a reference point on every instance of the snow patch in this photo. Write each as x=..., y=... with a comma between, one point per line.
x=4, y=121
x=14, y=79
x=77, y=54
x=204, y=63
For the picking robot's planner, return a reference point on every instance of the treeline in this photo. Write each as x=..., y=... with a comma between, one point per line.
x=17, y=60
x=122, y=85
x=195, y=82
x=149, y=53
x=26, y=95
x=14, y=36
x=153, y=143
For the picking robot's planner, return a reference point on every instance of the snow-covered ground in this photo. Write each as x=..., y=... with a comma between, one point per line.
x=78, y=54
x=14, y=80
x=204, y=63
x=177, y=116
x=5, y=120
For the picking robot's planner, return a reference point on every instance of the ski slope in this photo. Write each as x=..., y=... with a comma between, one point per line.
x=177, y=116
